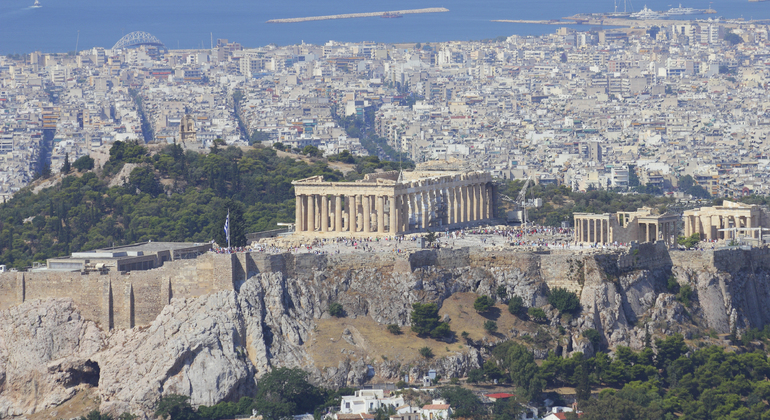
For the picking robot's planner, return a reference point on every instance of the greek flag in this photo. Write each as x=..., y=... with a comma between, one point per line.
x=227, y=228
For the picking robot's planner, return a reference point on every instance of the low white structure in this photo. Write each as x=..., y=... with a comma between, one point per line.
x=368, y=401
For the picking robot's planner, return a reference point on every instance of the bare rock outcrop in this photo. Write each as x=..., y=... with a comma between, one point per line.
x=45, y=351
x=196, y=347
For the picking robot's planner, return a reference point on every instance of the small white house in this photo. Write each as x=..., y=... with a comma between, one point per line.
x=368, y=401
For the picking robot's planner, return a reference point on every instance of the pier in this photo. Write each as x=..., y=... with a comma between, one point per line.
x=360, y=15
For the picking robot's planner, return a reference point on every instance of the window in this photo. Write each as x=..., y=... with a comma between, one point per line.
x=347, y=405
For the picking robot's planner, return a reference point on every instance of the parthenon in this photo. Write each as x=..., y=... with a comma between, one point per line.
x=393, y=203
x=728, y=221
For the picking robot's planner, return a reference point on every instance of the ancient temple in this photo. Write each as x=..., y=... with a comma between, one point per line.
x=392, y=203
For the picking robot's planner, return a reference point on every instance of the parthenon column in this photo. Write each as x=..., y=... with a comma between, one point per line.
x=392, y=229
x=380, y=214
x=422, y=200
x=450, y=206
x=324, y=213
x=477, y=196
x=484, y=202
x=367, y=214
x=338, y=213
x=311, y=213
x=298, y=213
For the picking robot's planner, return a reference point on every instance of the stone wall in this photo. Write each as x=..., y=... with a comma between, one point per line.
x=116, y=300
x=120, y=301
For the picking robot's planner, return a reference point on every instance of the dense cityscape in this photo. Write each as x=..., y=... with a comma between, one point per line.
x=573, y=108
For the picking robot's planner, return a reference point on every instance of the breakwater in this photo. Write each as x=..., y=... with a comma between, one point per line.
x=360, y=15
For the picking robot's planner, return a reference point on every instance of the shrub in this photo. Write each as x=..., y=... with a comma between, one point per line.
x=593, y=336
x=425, y=321
x=684, y=295
x=394, y=329
x=502, y=292
x=401, y=384
x=490, y=326
x=537, y=314
x=454, y=381
x=426, y=352
x=475, y=375
x=336, y=310
x=83, y=163
x=516, y=305
x=482, y=303
x=564, y=300
x=672, y=285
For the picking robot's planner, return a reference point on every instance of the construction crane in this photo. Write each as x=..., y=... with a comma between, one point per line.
x=519, y=212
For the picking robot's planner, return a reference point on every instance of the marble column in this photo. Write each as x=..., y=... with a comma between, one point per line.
x=367, y=214
x=477, y=194
x=311, y=213
x=298, y=213
x=324, y=213
x=338, y=213
x=380, y=214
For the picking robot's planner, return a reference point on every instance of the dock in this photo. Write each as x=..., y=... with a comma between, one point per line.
x=360, y=15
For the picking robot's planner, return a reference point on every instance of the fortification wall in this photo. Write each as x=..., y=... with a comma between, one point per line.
x=116, y=300
x=123, y=300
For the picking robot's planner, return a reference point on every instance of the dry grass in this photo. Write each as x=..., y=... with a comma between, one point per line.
x=81, y=404
x=374, y=341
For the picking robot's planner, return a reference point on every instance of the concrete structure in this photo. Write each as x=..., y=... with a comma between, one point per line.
x=367, y=401
x=642, y=225
x=392, y=203
x=141, y=256
x=731, y=220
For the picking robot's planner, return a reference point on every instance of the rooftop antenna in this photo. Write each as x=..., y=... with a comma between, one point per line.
x=77, y=41
x=212, y=39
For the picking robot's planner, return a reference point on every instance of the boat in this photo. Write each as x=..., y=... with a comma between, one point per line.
x=646, y=14
x=388, y=15
x=36, y=5
x=677, y=11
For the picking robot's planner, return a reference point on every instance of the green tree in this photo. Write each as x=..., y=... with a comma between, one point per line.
x=483, y=304
x=65, y=168
x=593, y=336
x=336, y=310
x=425, y=320
x=516, y=305
x=83, y=163
x=426, y=352
x=564, y=300
x=537, y=314
x=490, y=326
x=465, y=404
x=284, y=392
x=475, y=375
x=175, y=407
x=143, y=179
x=394, y=329
x=311, y=151
x=733, y=38
x=690, y=241
x=430, y=237
x=521, y=366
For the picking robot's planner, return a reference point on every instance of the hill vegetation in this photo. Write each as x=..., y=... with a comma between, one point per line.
x=171, y=195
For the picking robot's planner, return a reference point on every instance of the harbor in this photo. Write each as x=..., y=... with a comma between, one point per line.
x=389, y=14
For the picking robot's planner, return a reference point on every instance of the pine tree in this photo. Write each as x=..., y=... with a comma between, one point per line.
x=65, y=169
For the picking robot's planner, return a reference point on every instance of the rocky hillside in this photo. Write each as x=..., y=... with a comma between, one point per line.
x=213, y=347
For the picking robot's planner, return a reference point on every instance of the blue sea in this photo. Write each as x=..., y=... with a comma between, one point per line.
x=61, y=25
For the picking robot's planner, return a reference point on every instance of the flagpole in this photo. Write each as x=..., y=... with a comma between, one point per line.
x=227, y=229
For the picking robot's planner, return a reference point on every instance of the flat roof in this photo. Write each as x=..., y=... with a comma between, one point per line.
x=151, y=247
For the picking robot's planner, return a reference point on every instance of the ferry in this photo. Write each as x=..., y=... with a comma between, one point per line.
x=36, y=5
x=389, y=15
x=677, y=11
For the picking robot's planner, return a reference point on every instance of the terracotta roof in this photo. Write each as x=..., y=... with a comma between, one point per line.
x=436, y=407
x=499, y=395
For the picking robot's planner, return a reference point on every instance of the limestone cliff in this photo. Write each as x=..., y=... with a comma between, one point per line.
x=212, y=347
